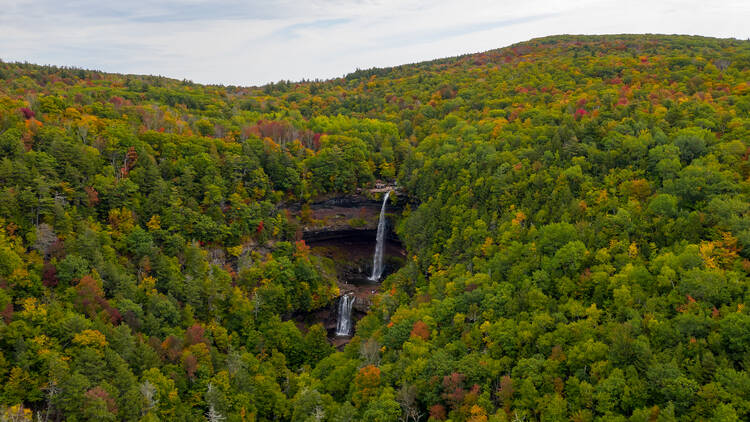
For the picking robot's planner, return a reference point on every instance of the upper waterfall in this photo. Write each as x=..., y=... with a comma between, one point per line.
x=377, y=259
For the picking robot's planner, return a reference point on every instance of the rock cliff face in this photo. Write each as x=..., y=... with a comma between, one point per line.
x=343, y=217
x=339, y=217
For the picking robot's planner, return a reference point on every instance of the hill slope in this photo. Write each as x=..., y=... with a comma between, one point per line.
x=578, y=239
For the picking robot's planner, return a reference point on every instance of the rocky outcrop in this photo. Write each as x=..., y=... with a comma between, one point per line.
x=343, y=217
x=319, y=234
x=362, y=295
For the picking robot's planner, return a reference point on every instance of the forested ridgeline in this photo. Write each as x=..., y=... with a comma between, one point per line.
x=578, y=239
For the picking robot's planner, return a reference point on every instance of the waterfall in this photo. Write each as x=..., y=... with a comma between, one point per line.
x=344, y=323
x=377, y=259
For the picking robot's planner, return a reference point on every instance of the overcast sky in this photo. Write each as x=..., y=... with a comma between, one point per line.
x=257, y=41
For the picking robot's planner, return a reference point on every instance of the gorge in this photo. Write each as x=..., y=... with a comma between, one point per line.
x=355, y=234
x=344, y=323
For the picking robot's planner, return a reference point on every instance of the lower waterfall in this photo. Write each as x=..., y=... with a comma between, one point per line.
x=344, y=322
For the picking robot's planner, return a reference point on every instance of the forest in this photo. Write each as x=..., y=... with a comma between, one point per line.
x=576, y=226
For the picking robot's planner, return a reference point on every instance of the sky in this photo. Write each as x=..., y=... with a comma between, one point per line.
x=254, y=42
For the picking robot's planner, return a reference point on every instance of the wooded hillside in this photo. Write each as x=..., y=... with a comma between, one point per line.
x=578, y=239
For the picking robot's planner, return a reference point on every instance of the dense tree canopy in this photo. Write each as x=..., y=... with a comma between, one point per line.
x=578, y=239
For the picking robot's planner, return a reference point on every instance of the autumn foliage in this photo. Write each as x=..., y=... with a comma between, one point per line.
x=572, y=214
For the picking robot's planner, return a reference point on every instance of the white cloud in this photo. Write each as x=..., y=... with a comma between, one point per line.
x=237, y=42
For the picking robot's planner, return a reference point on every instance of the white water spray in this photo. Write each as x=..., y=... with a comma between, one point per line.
x=344, y=323
x=377, y=259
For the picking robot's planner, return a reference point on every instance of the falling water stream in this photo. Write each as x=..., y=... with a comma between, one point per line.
x=344, y=323
x=377, y=259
